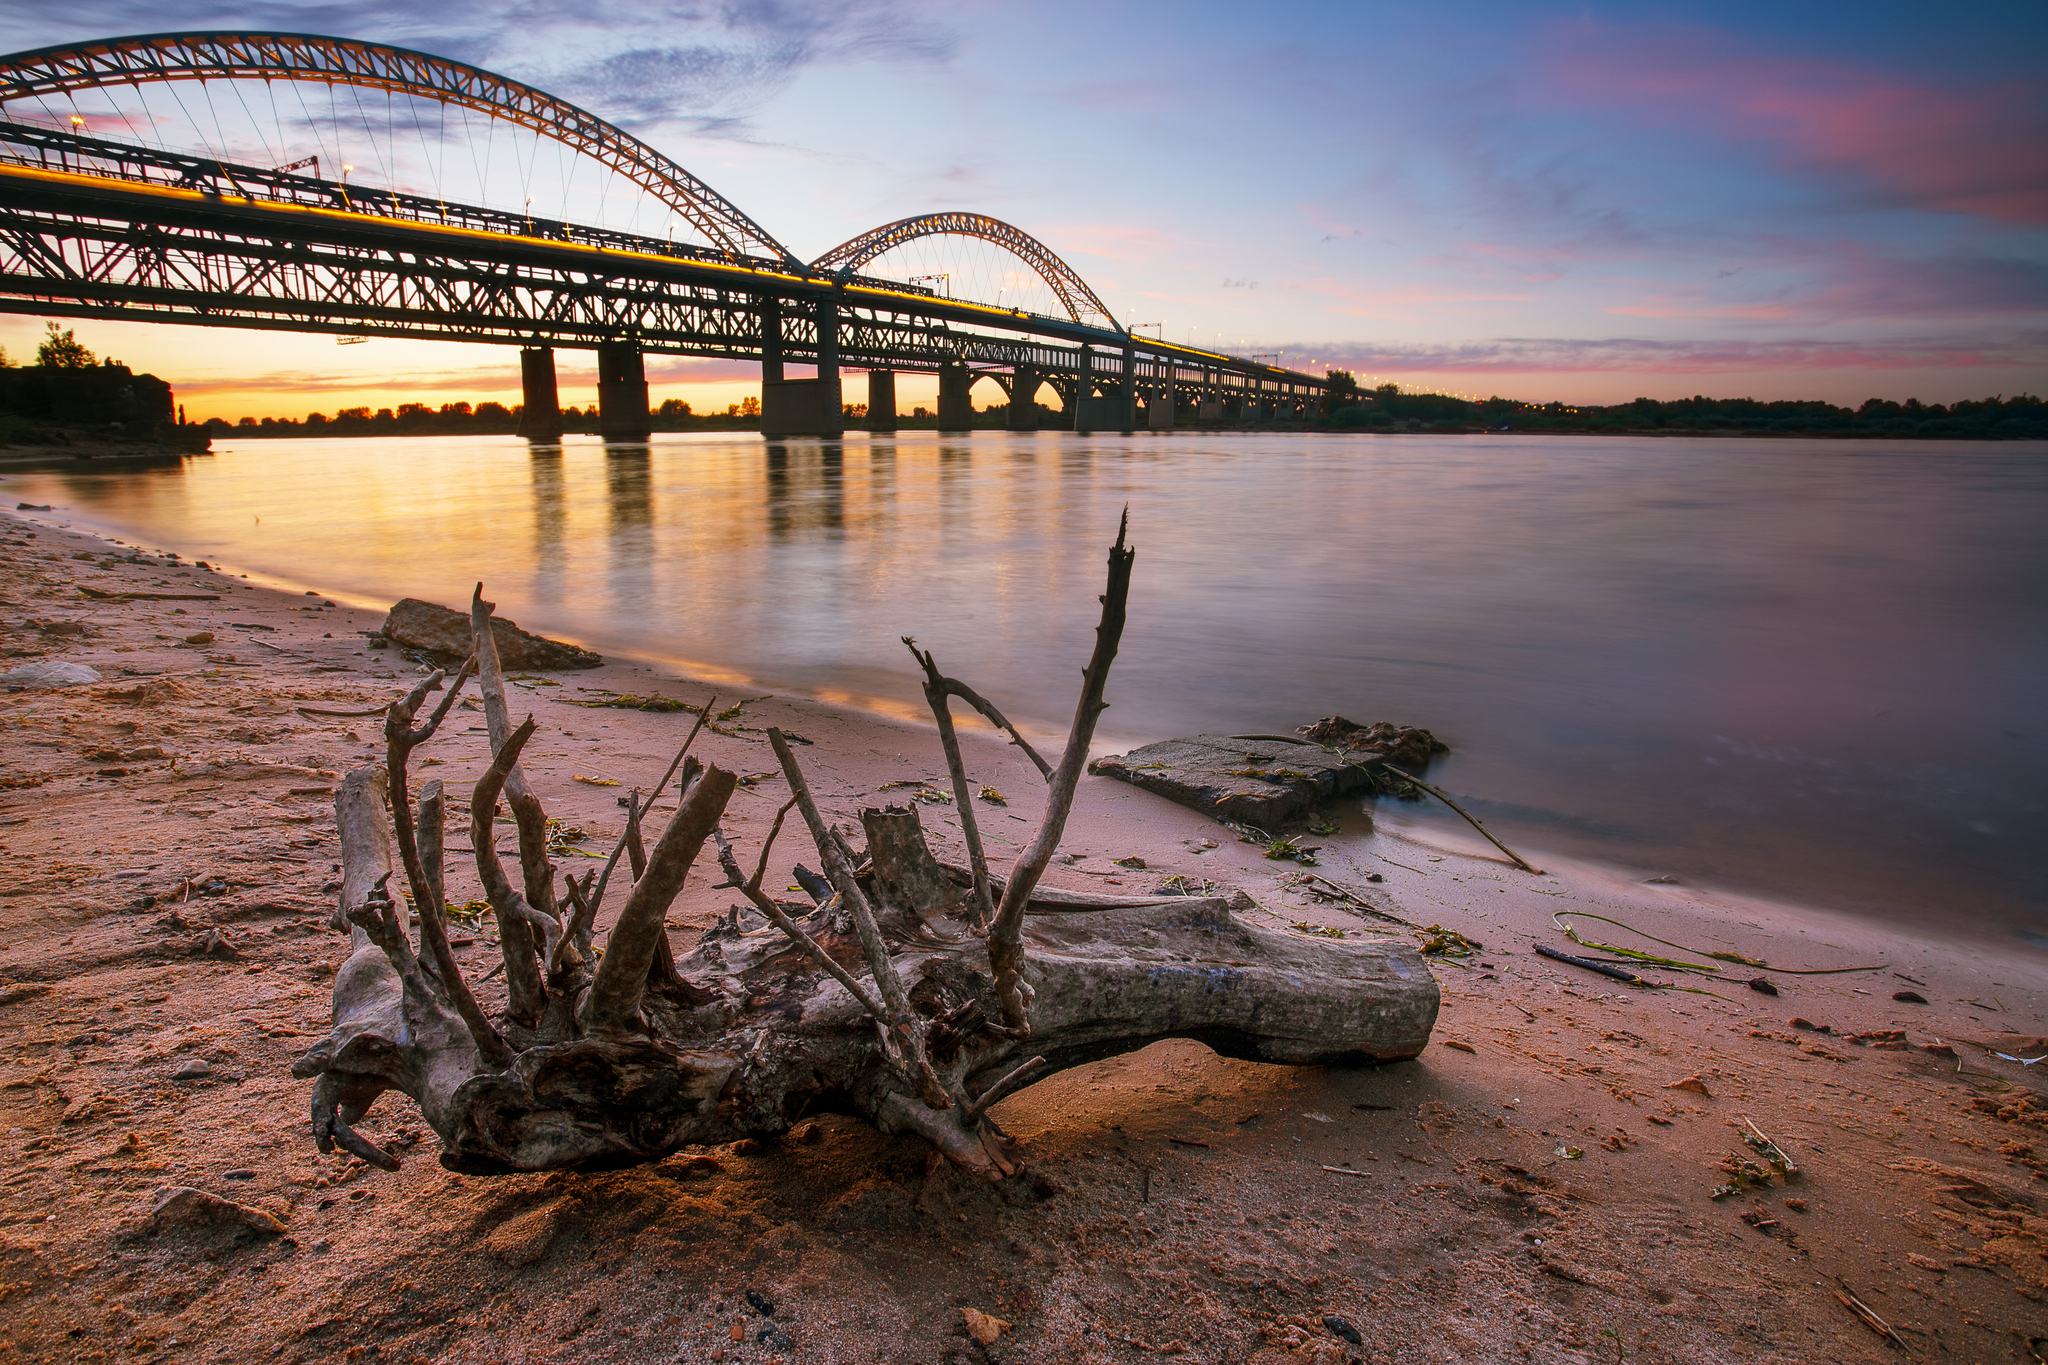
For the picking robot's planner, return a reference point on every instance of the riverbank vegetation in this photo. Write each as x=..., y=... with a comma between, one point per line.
x=2023, y=417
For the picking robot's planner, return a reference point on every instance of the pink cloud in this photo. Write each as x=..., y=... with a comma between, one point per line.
x=1975, y=151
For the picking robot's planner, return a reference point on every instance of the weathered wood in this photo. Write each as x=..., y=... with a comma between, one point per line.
x=621, y=983
x=920, y=1028
x=906, y=876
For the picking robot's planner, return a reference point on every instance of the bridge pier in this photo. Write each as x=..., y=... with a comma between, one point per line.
x=1024, y=381
x=881, y=400
x=1116, y=413
x=956, y=401
x=622, y=392
x=1159, y=413
x=540, y=419
x=801, y=407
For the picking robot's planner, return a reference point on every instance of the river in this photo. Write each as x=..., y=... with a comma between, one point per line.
x=1811, y=670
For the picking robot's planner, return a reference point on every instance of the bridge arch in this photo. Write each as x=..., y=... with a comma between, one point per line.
x=162, y=57
x=1071, y=290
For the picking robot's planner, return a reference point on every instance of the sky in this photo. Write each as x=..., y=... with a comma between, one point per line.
x=1579, y=202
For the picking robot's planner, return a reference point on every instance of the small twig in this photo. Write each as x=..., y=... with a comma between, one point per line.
x=1847, y=1297
x=633, y=809
x=683, y=752
x=1545, y=950
x=1356, y=899
x=1345, y=1170
x=1473, y=821
x=1011, y=1081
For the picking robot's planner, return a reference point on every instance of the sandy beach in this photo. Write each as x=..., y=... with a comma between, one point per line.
x=1537, y=1187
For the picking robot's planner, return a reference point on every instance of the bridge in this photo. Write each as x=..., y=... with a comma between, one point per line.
x=227, y=228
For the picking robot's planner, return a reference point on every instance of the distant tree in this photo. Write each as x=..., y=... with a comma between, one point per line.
x=246, y=422
x=61, y=351
x=673, y=407
x=5, y=363
x=750, y=407
x=455, y=410
x=494, y=412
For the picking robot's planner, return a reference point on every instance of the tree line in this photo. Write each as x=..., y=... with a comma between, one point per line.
x=1387, y=408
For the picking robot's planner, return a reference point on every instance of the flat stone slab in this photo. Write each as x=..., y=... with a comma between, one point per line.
x=1262, y=782
x=445, y=634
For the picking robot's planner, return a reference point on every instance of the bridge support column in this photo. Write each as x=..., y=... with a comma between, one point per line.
x=956, y=402
x=771, y=338
x=1115, y=413
x=1024, y=383
x=622, y=392
x=1160, y=412
x=881, y=400
x=1127, y=393
x=540, y=419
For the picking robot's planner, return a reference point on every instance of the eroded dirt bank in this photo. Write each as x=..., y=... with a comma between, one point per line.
x=1532, y=1189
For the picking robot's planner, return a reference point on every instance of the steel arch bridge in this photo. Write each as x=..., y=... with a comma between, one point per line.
x=95, y=227
x=1071, y=290
x=160, y=57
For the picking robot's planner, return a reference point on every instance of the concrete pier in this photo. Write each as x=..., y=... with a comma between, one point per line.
x=881, y=400
x=1024, y=399
x=622, y=392
x=541, y=417
x=956, y=403
x=1159, y=412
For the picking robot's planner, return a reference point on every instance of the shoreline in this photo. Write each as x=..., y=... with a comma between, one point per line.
x=1468, y=1150
x=2000, y=920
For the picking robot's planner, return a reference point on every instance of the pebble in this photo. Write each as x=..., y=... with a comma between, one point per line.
x=193, y=1070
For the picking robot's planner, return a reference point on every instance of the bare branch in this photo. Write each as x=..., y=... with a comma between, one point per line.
x=536, y=872
x=1019, y=1077
x=622, y=973
x=1006, y=936
x=424, y=873
x=781, y=920
x=761, y=868
x=839, y=870
x=633, y=809
x=903, y=1036
x=935, y=690
x=514, y=913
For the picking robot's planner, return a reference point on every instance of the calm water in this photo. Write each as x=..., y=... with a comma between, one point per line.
x=1809, y=669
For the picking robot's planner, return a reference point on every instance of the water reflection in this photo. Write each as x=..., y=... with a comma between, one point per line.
x=1718, y=660
x=550, y=524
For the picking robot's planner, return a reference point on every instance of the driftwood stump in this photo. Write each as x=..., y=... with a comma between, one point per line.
x=912, y=993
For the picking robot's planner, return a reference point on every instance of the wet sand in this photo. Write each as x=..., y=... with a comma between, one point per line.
x=1532, y=1188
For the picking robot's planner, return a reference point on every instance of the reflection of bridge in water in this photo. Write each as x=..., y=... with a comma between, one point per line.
x=139, y=230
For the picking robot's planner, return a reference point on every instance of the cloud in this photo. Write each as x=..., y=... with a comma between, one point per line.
x=1906, y=142
x=707, y=64
x=1640, y=355
x=1841, y=282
